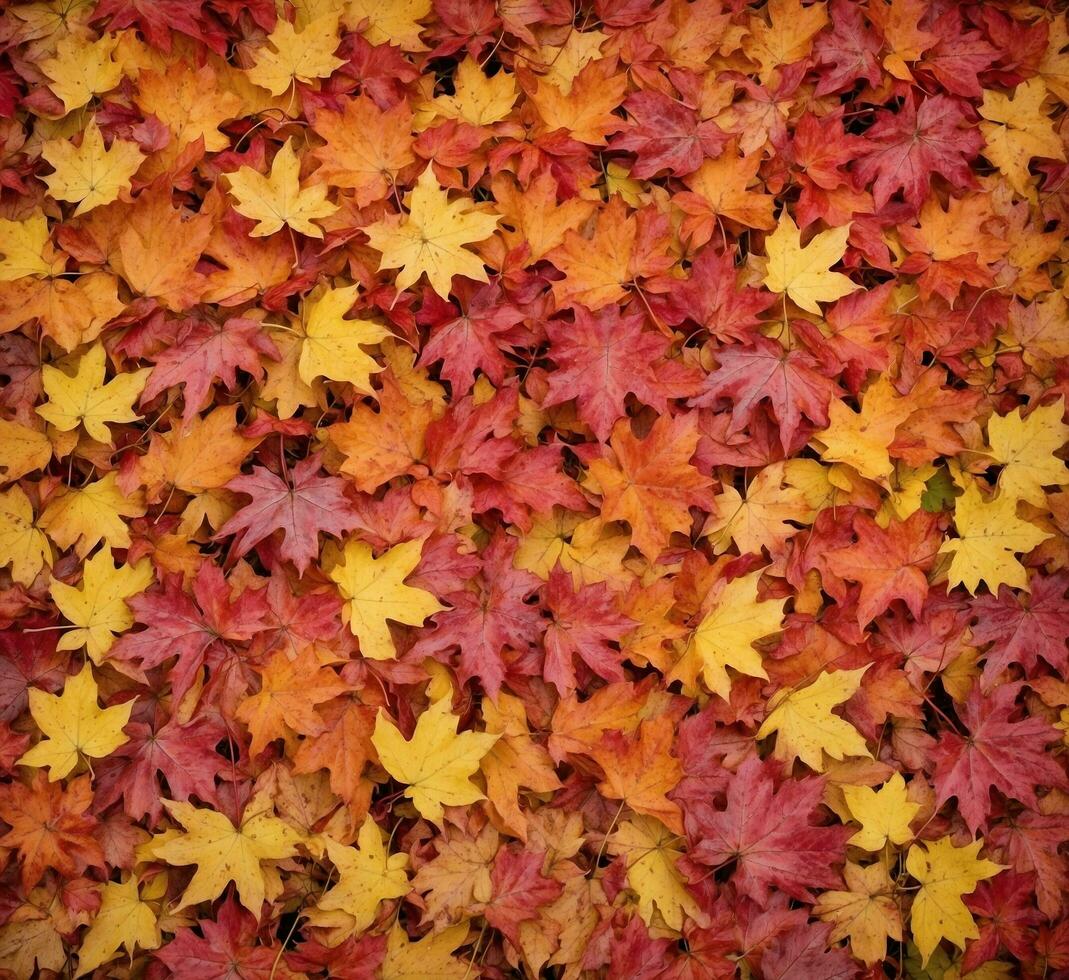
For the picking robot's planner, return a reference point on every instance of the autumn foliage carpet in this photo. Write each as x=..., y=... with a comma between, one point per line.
x=546, y=488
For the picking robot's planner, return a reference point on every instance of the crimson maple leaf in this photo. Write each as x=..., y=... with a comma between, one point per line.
x=907, y=147
x=806, y=952
x=486, y=617
x=301, y=508
x=471, y=338
x=519, y=890
x=1031, y=842
x=204, y=350
x=1024, y=627
x=1008, y=917
x=788, y=380
x=157, y=18
x=771, y=835
x=666, y=135
x=184, y=755
x=229, y=947
x=999, y=751
x=192, y=631
x=602, y=358
x=584, y=624
x=28, y=659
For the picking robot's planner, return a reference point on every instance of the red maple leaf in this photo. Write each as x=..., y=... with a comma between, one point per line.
x=1023, y=627
x=205, y=350
x=997, y=752
x=1007, y=916
x=666, y=135
x=771, y=836
x=519, y=890
x=788, y=380
x=907, y=147
x=584, y=623
x=301, y=508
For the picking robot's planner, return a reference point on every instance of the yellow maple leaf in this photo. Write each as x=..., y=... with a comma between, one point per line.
x=803, y=272
x=436, y=765
x=1018, y=130
x=651, y=851
x=74, y=725
x=866, y=913
x=27, y=249
x=990, y=535
x=82, y=517
x=807, y=728
x=945, y=873
x=431, y=237
x=122, y=921
x=23, y=545
x=225, y=853
x=98, y=606
x=367, y=875
x=861, y=439
x=567, y=60
x=90, y=174
x=374, y=592
x=726, y=635
x=279, y=199
x=395, y=23
x=22, y=450
x=82, y=68
x=884, y=814
x=297, y=55
x=333, y=347
x=84, y=398
x=1025, y=447
x=477, y=100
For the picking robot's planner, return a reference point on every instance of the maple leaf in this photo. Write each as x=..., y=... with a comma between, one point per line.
x=788, y=380
x=224, y=852
x=122, y=921
x=74, y=725
x=97, y=608
x=203, y=351
x=906, y=148
x=584, y=624
x=803, y=272
x=374, y=592
x=436, y=763
x=458, y=876
x=301, y=507
x=890, y=562
x=807, y=728
x=884, y=814
x=666, y=136
x=50, y=827
x=652, y=484
x=945, y=873
x=1023, y=628
x=84, y=398
x=429, y=957
x=998, y=752
x=990, y=534
x=725, y=636
x=298, y=55
x=640, y=770
x=81, y=68
x=289, y=691
x=333, y=347
x=771, y=836
x=26, y=249
x=23, y=545
x=366, y=148
x=367, y=876
x=90, y=175
x=476, y=99
x=279, y=199
x=1019, y=130
x=1025, y=448
x=431, y=237
x=865, y=912
x=652, y=852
